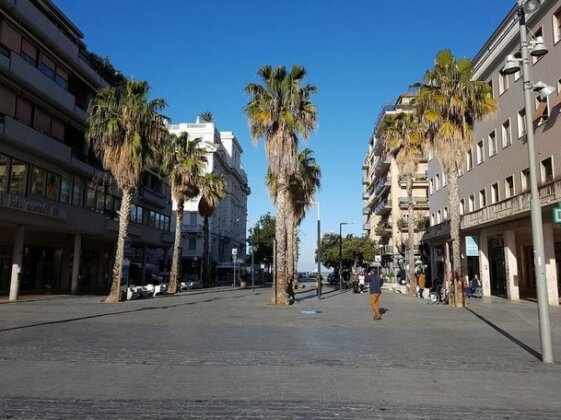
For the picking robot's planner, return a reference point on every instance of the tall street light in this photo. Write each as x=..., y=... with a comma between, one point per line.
x=511, y=66
x=341, y=252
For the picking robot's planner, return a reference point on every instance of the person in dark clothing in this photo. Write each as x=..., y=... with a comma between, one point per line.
x=290, y=292
x=375, y=283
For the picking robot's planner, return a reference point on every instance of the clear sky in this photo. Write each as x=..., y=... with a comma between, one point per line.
x=199, y=55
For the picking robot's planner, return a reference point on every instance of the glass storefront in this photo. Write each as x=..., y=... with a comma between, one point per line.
x=41, y=268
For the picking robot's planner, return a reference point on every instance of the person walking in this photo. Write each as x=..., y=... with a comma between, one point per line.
x=375, y=283
x=421, y=282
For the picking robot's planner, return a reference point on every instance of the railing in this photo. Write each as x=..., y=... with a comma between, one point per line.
x=383, y=163
x=383, y=206
x=418, y=202
x=4, y=50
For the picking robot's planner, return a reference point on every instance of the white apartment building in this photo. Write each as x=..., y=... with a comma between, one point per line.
x=385, y=196
x=494, y=188
x=228, y=223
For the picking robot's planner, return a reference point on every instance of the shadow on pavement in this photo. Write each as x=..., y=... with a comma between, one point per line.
x=515, y=340
x=149, y=308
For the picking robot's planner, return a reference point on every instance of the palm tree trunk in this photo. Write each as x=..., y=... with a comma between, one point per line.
x=454, y=209
x=290, y=244
x=174, y=275
x=411, y=237
x=206, y=253
x=280, y=297
x=124, y=214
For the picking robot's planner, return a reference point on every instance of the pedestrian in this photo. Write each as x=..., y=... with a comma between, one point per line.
x=290, y=292
x=421, y=282
x=475, y=286
x=361, y=285
x=375, y=283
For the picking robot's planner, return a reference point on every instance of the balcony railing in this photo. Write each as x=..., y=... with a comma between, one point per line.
x=417, y=179
x=418, y=202
x=383, y=207
x=382, y=164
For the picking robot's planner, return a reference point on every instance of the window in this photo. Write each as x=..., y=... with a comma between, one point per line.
x=471, y=204
x=557, y=26
x=24, y=111
x=541, y=114
x=507, y=136
x=47, y=66
x=538, y=32
x=53, y=186
x=494, y=193
x=462, y=206
x=57, y=129
x=437, y=182
x=66, y=190
x=38, y=180
x=492, y=143
x=480, y=152
x=29, y=52
x=192, y=218
x=525, y=180
x=4, y=166
x=78, y=192
x=522, y=123
x=42, y=121
x=546, y=170
x=482, y=198
x=90, y=198
x=430, y=186
x=503, y=82
x=509, y=187
x=7, y=101
x=136, y=214
x=445, y=213
x=18, y=178
x=192, y=242
x=100, y=199
x=438, y=216
x=469, y=160
x=432, y=219
x=10, y=37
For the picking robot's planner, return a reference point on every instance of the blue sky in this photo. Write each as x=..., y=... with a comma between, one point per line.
x=359, y=53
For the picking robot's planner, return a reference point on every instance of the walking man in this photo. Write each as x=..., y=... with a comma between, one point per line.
x=375, y=283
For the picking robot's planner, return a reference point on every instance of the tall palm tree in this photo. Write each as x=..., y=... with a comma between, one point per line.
x=304, y=185
x=449, y=103
x=125, y=129
x=278, y=112
x=185, y=162
x=213, y=189
x=402, y=136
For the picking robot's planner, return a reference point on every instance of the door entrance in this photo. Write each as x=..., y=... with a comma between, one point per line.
x=497, y=267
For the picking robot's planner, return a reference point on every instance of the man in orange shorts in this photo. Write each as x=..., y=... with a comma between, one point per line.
x=375, y=283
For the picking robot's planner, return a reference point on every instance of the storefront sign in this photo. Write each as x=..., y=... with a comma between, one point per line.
x=472, y=249
x=21, y=203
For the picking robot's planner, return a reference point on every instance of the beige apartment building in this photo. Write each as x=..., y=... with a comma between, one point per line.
x=385, y=196
x=494, y=188
x=58, y=220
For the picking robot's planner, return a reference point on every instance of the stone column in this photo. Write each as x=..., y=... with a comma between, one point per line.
x=484, y=264
x=17, y=256
x=76, y=264
x=511, y=266
x=550, y=265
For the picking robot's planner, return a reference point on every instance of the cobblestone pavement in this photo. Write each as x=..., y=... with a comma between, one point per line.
x=223, y=353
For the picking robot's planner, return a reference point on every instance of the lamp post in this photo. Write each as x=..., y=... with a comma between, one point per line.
x=341, y=252
x=316, y=203
x=538, y=49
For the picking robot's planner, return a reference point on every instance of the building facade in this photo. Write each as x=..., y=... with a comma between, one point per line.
x=58, y=208
x=228, y=223
x=385, y=195
x=494, y=186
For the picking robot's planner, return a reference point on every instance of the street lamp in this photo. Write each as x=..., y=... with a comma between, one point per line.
x=537, y=48
x=341, y=252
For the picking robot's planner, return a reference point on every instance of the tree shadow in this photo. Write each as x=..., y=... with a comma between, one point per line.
x=515, y=340
x=149, y=308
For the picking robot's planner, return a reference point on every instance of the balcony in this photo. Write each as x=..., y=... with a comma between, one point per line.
x=27, y=74
x=418, y=203
x=366, y=210
x=153, y=198
x=382, y=185
x=383, y=207
x=382, y=165
x=386, y=249
x=383, y=229
x=419, y=180
x=192, y=228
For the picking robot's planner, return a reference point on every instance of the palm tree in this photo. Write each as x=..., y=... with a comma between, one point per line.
x=124, y=130
x=303, y=187
x=185, y=161
x=213, y=189
x=403, y=137
x=207, y=116
x=449, y=103
x=279, y=111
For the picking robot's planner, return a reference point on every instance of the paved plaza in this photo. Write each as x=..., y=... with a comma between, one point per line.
x=223, y=353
